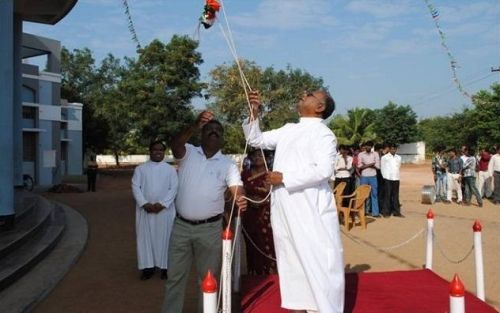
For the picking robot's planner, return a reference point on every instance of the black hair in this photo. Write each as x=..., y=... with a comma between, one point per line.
x=157, y=142
x=213, y=122
x=368, y=143
x=329, y=106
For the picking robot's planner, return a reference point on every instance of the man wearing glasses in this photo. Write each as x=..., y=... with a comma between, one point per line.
x=303, y=214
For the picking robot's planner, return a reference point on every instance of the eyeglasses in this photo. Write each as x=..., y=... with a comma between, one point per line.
x=310, y=94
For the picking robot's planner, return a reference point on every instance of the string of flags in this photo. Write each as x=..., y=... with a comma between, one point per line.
x=453, y=63
x=131, y=27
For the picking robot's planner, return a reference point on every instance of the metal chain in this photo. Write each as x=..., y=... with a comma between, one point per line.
x=255, y=245
x=446, y=257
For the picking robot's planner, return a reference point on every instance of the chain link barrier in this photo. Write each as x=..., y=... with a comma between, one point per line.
x=441, y=251
x=420, y=232
x=255, y=245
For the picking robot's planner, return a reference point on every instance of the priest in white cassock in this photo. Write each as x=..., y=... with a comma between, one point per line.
x=303, y=214
x=154, y=186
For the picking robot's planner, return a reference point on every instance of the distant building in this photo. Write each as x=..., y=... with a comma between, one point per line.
x=52, y=128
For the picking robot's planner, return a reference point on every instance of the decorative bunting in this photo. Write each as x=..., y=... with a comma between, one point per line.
x=131, y=25
x=453, y=63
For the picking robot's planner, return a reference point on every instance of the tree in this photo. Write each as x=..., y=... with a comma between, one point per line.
x=484, y=118
x=159, y=87
x=78, y=84
x=396, y=124
x=355, y=128
x=280, y=91
x=477, y=126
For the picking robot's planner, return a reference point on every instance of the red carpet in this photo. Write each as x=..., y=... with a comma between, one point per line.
x=419, y=291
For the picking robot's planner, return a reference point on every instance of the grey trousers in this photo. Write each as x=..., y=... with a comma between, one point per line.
x=199, y=243
x=496, y=182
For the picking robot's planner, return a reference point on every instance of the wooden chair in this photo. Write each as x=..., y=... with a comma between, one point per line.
x=338, y=191
x=356, y=206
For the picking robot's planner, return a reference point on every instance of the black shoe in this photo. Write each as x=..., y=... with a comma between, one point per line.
x=147, y=273
x=377, y=216
x=386, y=215
x=164, y=275
x=398, y=215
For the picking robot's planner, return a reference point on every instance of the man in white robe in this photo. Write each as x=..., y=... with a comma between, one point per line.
x=154, y=186
x=303, y=213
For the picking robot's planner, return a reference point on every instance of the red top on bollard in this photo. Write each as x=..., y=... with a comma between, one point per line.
x=477, y=226
x=209, y=284
x=430, y=215
x=457, y=288
x=227, y=234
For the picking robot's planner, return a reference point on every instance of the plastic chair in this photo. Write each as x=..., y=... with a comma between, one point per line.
x=338, y=191
x=356, y=206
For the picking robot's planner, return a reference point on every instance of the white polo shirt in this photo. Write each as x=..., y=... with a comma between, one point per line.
x=202, y=183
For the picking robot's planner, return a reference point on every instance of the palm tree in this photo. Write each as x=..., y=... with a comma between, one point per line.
x=357, y=127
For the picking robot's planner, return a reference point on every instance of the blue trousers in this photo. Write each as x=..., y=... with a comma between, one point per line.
x=372, y=181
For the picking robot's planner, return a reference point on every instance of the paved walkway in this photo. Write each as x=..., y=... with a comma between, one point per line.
x=105, y=279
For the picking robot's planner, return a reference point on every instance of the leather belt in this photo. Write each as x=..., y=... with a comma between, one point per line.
x=199, y=222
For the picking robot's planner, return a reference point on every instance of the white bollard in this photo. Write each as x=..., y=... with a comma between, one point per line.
x=457, y=296
x=227, y=238
x=209, y=288
x=237, y=255
x=478, y=256
x=429, y=247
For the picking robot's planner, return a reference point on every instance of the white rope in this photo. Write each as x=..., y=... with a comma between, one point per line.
x=246, y=87
x=390, y=247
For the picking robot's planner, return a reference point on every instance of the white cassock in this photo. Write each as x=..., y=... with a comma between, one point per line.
x=154, y=182
x=303, y=215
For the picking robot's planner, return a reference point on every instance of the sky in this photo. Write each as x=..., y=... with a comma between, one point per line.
x=368, y=52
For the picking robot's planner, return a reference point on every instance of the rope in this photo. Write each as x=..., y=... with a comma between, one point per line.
x=390, y=247
x=441, y=251
x=255, y=245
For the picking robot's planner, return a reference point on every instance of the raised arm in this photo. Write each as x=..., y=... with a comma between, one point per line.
x=178, y=144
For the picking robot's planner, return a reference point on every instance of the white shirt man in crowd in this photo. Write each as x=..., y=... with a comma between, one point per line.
x=390, y=165
x=304, y=218
x=154, y=186
x=494, y=170
x=204, y=175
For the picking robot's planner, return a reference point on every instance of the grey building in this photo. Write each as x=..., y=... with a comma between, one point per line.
x=52, y=129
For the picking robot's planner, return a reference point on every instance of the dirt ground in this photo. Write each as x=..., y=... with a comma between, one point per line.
x=106, y=279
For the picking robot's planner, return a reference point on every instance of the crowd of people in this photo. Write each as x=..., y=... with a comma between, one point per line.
x=466, y=174
x=179, y=213
x=377, y=166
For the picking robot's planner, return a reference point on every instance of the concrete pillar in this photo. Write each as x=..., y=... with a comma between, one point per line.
x=18, y=106
x=6, y=110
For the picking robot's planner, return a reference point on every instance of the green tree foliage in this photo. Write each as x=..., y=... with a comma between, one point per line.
x=477, y=126
x=279, y=89
x=355, y=128
x=484, y=119
x=159, y=86
x=79, y=84
x=396, y=124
